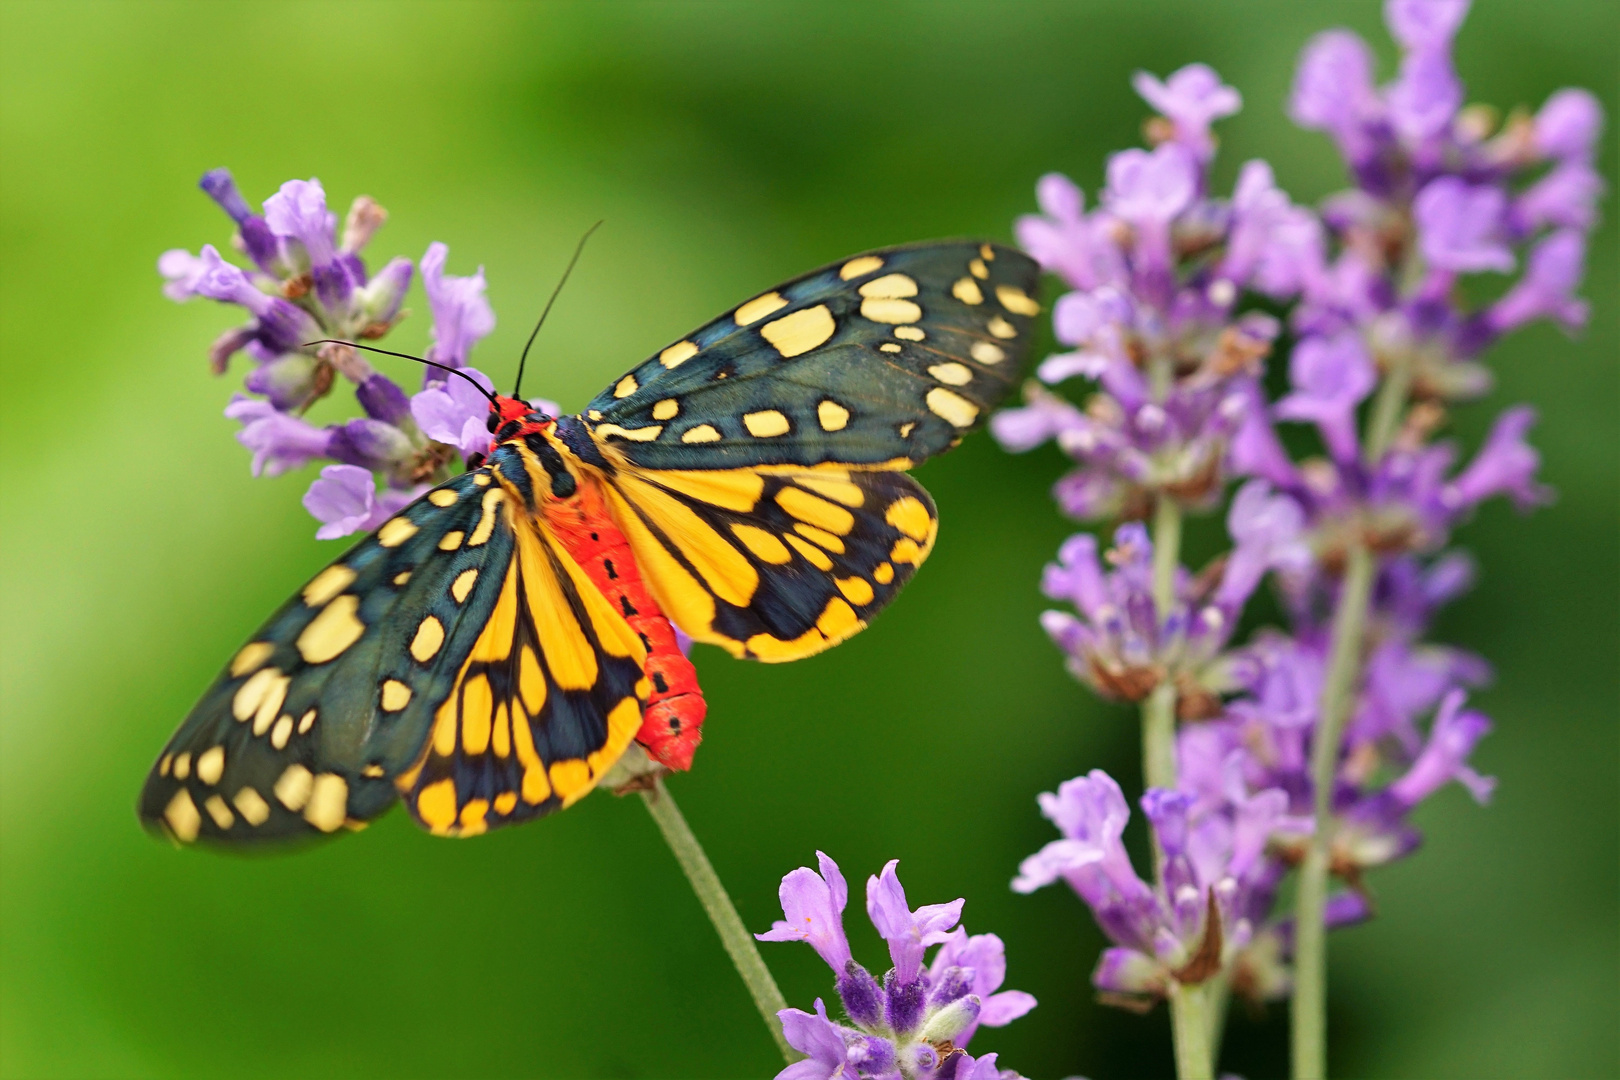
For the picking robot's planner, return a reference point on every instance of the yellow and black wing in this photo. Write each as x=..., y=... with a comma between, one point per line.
x=455, y=656
x=884, y=357
x=757, y=465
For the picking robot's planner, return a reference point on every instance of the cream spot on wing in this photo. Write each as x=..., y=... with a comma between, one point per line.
x=626, y=386
x=701, y=434
x=327, y=584
x=910, y=516
x=977, y=268
x=891, y=311
x=219, y=811
x=211, y=765
x=182, y=765
x=493, y=498
x=395, y=695
x=481, y=479
x=833, y=416
x=251, y=657
x=640, y=434
x=463, y=585
x=677, y=354
x=250, y=693
x=293, y=787
x=863, y=265
x=907, y=428
x=505, y=801
x=889, y=347
x=967, y=290
x=952, y=374
x=328, y=802
x=402, y=577
x=333, y=630
x=273, y=699
x=953, y=407
x=429, y=636
x=909, y=333
x=889, y=287
x=395, y=532
x=759, y=307
x=987, y=253
x=251, y=805
x=282, y=732
x=883, y=574
x=1002, y=328
x=163, y=765
x=442, y=497
x=1016, y=300
x=372, y=771
x=766, y=424
x=798, y=333
x=182, y=816
x=594, y=414
x=986, y=352
x=451, y=540
x=306, y=722
x=666, y=409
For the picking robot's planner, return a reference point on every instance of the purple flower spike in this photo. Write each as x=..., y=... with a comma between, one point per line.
x=346, y=499
x=1505, y=465
x=908, y=932
x=298, y=212
x=1460, y=226
x=1192, y=98
x=821, y=1039
x=1452, y=740
x=1425, y=25
x=1333, y=92
x=1331, y=376
x=1568, y=125
x=455, y=414
x=1547, y=290
x=461, y=314
x=813, y=909
x=181, y=272
x=279, y=442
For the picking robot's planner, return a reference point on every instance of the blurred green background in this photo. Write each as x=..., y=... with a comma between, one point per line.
x=728, y=146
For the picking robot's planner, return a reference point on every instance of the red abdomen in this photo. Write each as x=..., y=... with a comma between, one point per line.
x=672, y=725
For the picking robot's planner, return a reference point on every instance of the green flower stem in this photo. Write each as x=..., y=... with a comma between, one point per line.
x=1189, y=1023
x=1310, y=936
x=1386, y=410
x=1159, y=710
x=728, y=924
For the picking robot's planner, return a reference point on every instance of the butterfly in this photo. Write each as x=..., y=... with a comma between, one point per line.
x=489, y=653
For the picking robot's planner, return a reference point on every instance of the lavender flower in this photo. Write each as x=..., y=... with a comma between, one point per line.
x=1123, y=646
x=914, y=1023
x=1213, y=880
x=1157, y=273
x=306, y=283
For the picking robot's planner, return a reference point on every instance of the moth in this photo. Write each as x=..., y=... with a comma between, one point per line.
x=490, y=652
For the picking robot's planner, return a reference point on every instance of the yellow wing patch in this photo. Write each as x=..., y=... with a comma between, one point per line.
x=775, y=562
x=547, y=700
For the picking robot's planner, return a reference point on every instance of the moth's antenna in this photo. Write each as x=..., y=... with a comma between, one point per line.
x=408, y=356
x=517, y=386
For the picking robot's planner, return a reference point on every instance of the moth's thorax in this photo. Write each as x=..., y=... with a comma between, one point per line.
x=527, y=458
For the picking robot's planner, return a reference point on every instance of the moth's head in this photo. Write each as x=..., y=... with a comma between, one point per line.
x=511, y=418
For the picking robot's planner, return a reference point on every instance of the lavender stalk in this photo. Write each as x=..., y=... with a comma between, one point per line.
x=722, y=913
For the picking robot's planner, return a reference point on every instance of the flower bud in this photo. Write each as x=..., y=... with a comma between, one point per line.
x=947, y=1023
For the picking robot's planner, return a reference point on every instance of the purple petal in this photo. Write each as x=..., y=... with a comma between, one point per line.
x=461, y=314
x=1151, y=188
x=1331, y=376
x=1191, y=98
x=908, y=933
x=279, y=442
x=1568, y=125
x=1460, y=226
x=821, y=1039
x=1333, y=91
x=298, y=212
x=181, y=272
x=1505, y=465
x=454, y=413
x=1552, y=273
x=1451, y=741
x=812, y=909
x=1424, y=25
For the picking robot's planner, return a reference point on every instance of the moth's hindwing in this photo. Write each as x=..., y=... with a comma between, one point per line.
x=883, y=357
x=775, y=562
x=324, y=717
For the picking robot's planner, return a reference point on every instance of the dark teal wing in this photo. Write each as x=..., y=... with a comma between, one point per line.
x=882, y=357
x=311, y=722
